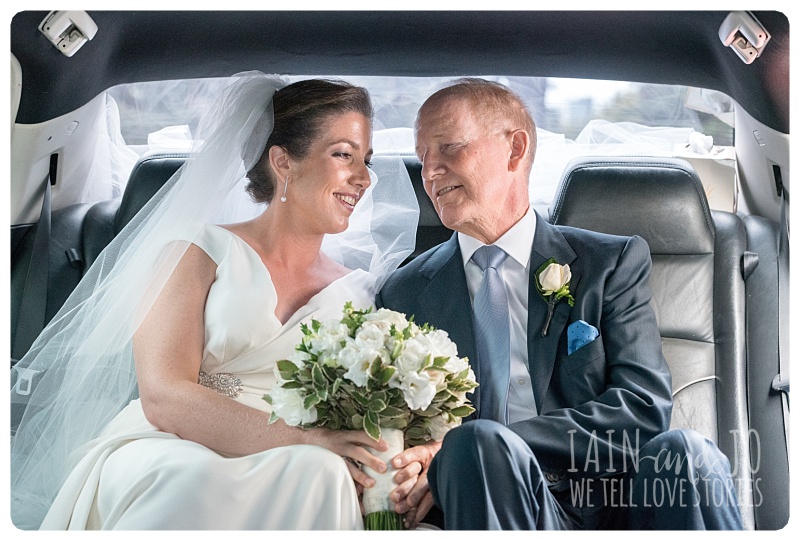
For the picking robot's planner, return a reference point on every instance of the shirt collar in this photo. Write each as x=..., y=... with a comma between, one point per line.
x=516, y=242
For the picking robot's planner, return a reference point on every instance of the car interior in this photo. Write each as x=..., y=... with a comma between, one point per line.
x=716, y=221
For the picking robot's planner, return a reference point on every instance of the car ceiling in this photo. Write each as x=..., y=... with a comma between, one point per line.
x=670, y=47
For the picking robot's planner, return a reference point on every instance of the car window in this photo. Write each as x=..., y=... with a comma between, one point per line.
x=574, y=117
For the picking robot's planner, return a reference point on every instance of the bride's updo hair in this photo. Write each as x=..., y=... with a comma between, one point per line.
x=300, y=111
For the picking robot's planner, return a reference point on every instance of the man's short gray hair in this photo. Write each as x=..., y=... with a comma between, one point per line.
x=500, y=107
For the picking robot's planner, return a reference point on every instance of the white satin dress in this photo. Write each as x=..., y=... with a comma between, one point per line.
x=135, y=477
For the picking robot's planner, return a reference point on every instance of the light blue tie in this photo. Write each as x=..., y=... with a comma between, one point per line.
x=490, y=315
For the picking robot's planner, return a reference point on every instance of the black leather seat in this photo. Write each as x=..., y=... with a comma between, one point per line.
x=697, y=283
x=106, y=219
x=430, y=231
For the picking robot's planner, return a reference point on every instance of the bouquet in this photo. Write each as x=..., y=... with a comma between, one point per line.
x=378, y=372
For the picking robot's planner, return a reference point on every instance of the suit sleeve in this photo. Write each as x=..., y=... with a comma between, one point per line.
x=602, y=434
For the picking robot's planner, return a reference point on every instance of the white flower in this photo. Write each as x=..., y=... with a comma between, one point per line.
x=456, y=365
x=554, y=277
x=441, y=345
x=418, y=390
x=371, y=336
x=358, y=360
x=385, y=318
x=299, y=357
x=438, y=426
x=329, y=339
x=437, y=379
x=412, y=357
x=288, y=405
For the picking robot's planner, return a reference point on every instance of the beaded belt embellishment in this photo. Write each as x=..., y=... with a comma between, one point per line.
x=224, y=384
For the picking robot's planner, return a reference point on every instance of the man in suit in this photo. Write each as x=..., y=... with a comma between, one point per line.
x=574, y=402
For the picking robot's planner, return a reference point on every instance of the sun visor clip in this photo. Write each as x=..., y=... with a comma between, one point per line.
x=743, y=33
x=68, y=30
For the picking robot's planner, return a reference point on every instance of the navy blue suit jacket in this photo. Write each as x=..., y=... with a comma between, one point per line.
x=620, y=382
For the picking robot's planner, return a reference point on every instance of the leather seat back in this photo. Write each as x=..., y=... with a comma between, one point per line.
x=696, y=281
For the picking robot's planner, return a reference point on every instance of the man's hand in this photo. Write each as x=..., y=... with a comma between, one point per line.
x=412, y=496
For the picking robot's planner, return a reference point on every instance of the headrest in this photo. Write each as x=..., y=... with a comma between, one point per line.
x=659, y=199
x=149, y=174
x=427, y=214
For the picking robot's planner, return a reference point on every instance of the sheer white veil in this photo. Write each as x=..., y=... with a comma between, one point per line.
x=79, y=372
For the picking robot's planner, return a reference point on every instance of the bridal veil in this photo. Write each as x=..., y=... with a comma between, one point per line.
x=79, y=373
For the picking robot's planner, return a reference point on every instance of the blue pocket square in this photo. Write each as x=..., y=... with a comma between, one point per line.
x=579, y=334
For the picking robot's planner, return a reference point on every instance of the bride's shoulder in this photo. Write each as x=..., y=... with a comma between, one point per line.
x=214, y=240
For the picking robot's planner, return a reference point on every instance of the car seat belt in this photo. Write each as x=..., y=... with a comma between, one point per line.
x=781, y=381
x=32, y=311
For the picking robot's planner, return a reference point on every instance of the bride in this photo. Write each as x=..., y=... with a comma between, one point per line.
x=148, y=410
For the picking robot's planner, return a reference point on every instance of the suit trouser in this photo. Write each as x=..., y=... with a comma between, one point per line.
x=485, y=477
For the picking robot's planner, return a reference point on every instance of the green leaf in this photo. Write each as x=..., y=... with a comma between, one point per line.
x=430, y=411
x=375, y=368
x=317, y=376
x=396, y=422
x=293, y=385
x=416, y=432
x=371, y=426
x=310, y=401
x=462, y=411
x=287, y=368
x=386, y=374
x=267, y=398
x=439, y=362
x=391, y=412
x=272, y=418
x=376, y=405
x=315, y=325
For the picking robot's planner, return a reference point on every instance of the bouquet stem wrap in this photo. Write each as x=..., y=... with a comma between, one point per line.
x=379, y=511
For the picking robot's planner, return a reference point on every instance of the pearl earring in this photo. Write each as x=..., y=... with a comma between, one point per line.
x=285, y=186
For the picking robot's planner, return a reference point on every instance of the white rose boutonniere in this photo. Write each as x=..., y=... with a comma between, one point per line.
x=552, y=281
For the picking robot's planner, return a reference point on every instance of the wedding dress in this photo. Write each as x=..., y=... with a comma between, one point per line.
x=84, y=456
x=136, y=477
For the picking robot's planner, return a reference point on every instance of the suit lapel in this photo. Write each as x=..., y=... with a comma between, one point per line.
x=542, y=350
x=445, y=301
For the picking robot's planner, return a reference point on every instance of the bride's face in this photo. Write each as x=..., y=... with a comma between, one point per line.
x=326, y=185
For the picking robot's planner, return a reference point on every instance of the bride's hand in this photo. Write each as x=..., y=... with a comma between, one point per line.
x=350, y=445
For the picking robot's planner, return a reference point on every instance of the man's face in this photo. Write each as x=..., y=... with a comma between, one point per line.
x=465, y=167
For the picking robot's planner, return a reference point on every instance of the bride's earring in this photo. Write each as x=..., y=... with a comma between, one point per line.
x=285, y=186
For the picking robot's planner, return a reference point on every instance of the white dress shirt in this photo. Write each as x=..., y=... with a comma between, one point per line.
x=515, y=270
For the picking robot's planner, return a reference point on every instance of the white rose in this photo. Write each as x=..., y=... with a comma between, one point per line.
x=371, y=336
x=441, y=345
x=329, y=338
x=413, y=355
x=437, y=379
x=288, y=405
x=359, y=372
x=554, y=277
x=418, y=390
x=456, y=365
x=358, y=360
x=385, y=318
x=438, y=427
